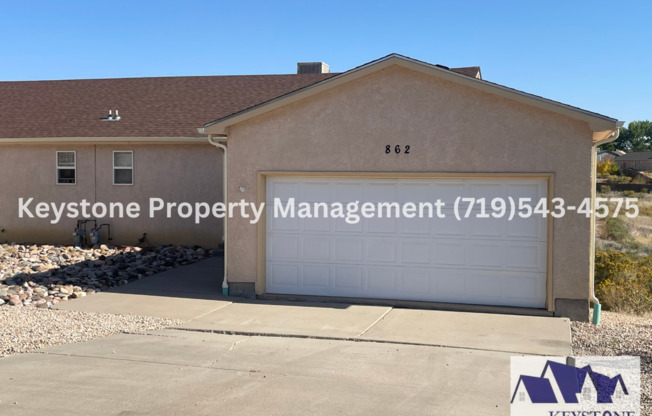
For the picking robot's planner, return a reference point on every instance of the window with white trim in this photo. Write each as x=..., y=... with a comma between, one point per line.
x=66, y=167
x=123, y=167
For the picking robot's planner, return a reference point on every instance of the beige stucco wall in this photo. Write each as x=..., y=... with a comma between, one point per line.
x=450, y=128
x=173, y=172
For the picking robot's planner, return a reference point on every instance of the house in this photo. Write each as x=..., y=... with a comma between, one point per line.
x=640, y=161
x=561, y=383
x=533, y=390
x=642, y=178
x=604, y=155
x=58, y=145
x=372, y=134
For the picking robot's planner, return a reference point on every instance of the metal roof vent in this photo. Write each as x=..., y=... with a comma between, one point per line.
x=112, y=117
x=313, y=68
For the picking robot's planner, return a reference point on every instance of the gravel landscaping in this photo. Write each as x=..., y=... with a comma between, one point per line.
x=27, y=329
x=619, y=334
x=44, y=275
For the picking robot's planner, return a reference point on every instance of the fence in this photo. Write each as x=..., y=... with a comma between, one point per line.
x=620, y=187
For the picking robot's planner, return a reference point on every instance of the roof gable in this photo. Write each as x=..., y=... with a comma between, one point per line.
x=597, y=122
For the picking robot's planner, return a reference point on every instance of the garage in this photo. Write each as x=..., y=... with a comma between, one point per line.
x=402, y=130
x=485, y=261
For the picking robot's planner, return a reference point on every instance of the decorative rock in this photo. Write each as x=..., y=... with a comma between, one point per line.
x=46, y=275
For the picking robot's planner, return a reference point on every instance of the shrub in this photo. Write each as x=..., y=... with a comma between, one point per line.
x=623, y=283
x=644, y=190
x=645, y=210
x=618, y=179
x=606, y=168
x=605, y=189
x=616, y=230
x=629, y=194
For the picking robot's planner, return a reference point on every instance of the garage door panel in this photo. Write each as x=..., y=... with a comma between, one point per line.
x=316, y=276
x=283, y=275
x=345, y=192
x=381, y=280
x=283, y=247
x=414, y=281
x=531, y=257
x=284, y=190
x=487, y=191
x=449, y=284
x=317, y=248
x=535, y=191
x=319, y=224
x=347, y=277
x=381, y=191
x=449, y=226
x=415, y=251
x=415, y=226
x=381, y=250
x=347, y=249
x=314, y=192
x=485, y=227
x=526, y=228
x=447, y=253
x=490, y=261
x=341, y=226
x=380, y=225
x=485, y=255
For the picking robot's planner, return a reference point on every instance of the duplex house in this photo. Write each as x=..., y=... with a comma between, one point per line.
x=395, y=130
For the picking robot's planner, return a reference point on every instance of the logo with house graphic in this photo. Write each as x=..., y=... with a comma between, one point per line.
x=550, y=384
x=571, y=383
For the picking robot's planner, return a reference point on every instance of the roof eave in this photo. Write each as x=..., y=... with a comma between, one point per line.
x=44, y=140
x=597, y=122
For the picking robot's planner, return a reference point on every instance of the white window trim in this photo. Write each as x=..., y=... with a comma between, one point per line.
x=123, y=167
x=57, y=168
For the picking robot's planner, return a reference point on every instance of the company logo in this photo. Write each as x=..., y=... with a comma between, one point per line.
x=556, y=386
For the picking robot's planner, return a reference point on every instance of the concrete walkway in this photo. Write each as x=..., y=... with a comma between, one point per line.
x=232, y=356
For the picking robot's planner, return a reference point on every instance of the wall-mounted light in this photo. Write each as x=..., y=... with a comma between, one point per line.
x=242, y=188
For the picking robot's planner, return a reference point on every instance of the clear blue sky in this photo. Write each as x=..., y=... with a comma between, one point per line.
x=592, y=54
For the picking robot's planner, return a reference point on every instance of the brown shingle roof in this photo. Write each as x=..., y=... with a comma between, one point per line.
x=149, y=107
x=469, y=71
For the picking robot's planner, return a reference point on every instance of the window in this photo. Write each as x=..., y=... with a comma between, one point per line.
x=123, y=167
x=66, y=168
x=521, y=396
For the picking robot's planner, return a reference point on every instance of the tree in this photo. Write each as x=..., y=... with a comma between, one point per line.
x=607, y=168
x=636, y=136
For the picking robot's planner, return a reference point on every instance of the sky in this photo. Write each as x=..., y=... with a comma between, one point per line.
x=592, y=54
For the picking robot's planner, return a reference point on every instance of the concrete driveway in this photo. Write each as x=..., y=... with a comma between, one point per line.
x=263, y=357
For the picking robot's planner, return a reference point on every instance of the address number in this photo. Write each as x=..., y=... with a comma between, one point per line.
x=397, y=149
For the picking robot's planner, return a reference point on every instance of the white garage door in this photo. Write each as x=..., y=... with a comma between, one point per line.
x=489, y=261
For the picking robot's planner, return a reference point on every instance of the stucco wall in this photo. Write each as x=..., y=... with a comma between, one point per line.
x=173, y=172
x=450, y=128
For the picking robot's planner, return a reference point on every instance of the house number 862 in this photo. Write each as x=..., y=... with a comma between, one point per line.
x=397, y=149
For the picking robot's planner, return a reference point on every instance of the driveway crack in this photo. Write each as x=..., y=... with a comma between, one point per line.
x=376, y=321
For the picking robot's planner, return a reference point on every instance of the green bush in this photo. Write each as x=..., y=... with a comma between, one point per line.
x=644, y=191
x=623, y=283
x=617, y=231
x=618, y=179
x=629, y=194
x=605, y=189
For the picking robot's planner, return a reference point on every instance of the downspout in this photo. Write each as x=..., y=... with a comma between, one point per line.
x=597, y=307
x=225, y=282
